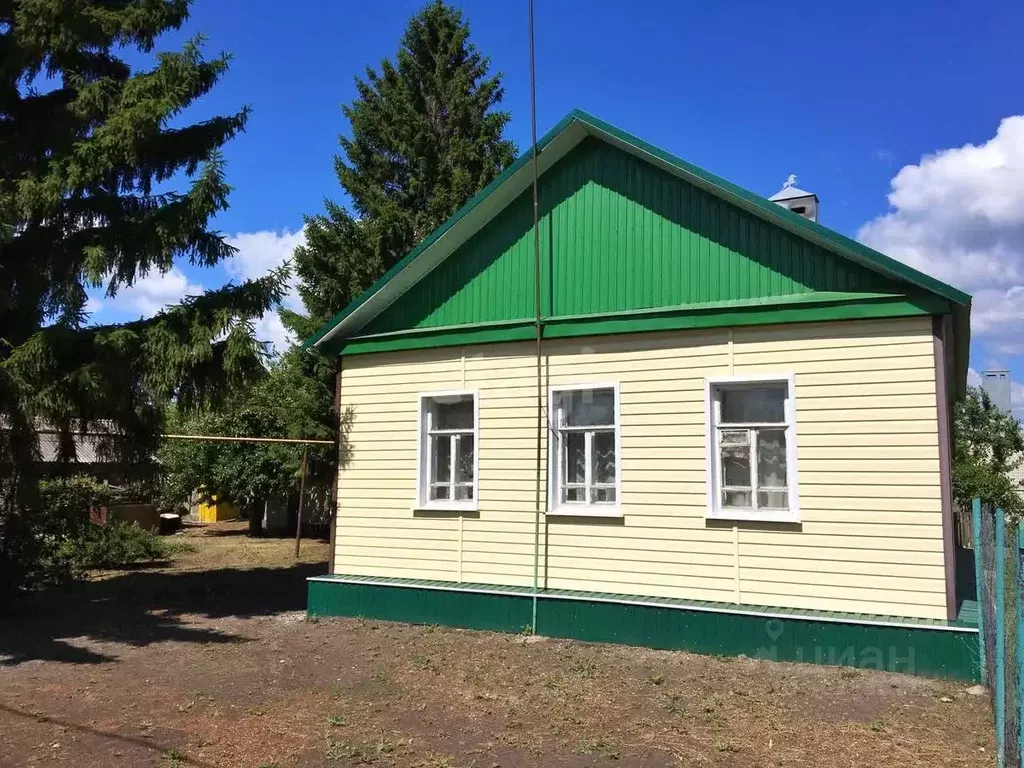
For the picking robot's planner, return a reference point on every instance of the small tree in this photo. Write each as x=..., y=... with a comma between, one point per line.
x=248, y=473
x=988, y=447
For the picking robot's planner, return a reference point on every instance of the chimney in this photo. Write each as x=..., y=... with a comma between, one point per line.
x=799, y=202
x=997, y=385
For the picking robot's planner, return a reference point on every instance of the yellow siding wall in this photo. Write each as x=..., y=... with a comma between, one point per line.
x=870, y=537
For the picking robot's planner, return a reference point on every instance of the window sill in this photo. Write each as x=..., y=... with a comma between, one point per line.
x=586, y=510
x=754, y=516
x=449, y=507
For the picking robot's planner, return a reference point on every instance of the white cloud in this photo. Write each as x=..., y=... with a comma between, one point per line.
x=154, y=291
x=258, y=253
x=959, y=215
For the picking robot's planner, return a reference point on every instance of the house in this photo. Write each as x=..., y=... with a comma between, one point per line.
x=90, y=448
x=699, y=419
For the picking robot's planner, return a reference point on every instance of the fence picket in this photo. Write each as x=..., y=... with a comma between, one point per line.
x=1000, y=629
x=1020, y=641
x=979, y=580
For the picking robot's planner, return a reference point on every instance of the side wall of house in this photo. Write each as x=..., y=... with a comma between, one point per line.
x=870, y=536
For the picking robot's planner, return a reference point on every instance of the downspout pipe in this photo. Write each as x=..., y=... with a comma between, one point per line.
x=539, y=327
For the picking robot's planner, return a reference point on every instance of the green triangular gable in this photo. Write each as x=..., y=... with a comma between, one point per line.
x=619, y=234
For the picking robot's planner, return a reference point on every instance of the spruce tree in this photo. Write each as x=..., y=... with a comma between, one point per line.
x=425, y=137
x=101, y=183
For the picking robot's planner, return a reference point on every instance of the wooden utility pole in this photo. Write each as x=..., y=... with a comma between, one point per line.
x=302, y=498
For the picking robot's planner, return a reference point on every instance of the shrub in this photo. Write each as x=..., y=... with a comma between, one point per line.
x=115, y=545
x=66, y=501
x=28, y=556
x=32, y=533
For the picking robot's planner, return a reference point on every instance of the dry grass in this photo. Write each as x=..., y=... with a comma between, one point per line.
x=211, y=662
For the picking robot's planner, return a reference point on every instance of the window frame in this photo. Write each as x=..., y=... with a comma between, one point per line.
x=715, y=510
x=556, y=506
x=423, y=500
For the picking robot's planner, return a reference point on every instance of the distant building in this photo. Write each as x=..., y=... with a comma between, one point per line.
x=93, y=450
x=997, y=385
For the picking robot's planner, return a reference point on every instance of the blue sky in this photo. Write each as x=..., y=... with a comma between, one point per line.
x=861, y=101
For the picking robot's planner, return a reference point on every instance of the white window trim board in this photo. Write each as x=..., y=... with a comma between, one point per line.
x=422, y=501
x=714, y=510
x=554, y=507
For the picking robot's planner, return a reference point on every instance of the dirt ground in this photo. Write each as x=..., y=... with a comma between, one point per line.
x=210, y=661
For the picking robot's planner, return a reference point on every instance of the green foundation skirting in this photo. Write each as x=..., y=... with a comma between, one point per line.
x=885, y=643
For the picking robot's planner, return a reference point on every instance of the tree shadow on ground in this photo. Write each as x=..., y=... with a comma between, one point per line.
x=139, y=608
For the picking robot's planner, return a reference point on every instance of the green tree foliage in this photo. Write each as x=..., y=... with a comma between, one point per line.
x=102, y=182
x=30, y=546
x=425, y=137
x=116, y=545
x=988, y=446
x=282, y=405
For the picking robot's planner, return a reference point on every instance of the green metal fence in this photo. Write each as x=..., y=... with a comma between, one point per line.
x=999, y=574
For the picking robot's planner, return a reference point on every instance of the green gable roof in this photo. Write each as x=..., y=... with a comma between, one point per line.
x=627, y=231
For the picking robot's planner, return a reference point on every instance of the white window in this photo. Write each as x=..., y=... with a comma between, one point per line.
x=751, y=461
x=584, y=454
x=447, y=454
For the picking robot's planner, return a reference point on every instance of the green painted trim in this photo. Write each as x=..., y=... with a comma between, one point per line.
x=899, y=307
x=490, y=325
x=767, y=301
x=762, y=611
x=916, y=647
x=445, y=338
x=507, y=612
x=759, y=206
x=819, y=297
x=687, y=318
